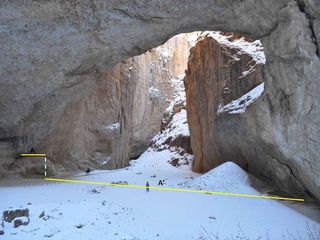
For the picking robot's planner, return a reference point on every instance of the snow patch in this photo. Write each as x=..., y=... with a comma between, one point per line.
x=177, y=127
x=154, y=92
x=113, y=126
x=105, y=160
x=228, y=177
x=179, y=93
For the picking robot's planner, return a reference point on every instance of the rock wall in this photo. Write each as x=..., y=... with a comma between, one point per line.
x=260, y=137
x=289, y=113
x=217, y=74
x=53, y=52
x=118, y=118
x=158, y=70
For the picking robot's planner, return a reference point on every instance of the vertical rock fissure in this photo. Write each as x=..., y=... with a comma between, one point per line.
x=286, y=166
x=302, y=8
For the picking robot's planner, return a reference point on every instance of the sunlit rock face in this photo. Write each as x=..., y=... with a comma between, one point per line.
x=219, y=71
x=53, y=52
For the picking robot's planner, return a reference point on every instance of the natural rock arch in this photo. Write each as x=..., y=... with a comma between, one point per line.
x=53, y=51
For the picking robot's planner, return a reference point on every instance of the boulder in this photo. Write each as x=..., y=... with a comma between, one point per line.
x=10, y=215
x=42, y=214
x=20, y=221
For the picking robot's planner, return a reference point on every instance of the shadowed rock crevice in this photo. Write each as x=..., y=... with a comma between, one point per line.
x=302, y=7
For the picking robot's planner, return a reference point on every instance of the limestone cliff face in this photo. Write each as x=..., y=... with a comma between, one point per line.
x=217, y=74
x=53, y=52
x=157, y=71
x=119, y=117
x=254, y=137
x=85, y=134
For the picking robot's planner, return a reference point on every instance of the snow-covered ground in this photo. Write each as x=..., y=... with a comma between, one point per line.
x=82, y=211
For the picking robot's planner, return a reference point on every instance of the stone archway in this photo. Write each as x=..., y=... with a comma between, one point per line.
x=53, y=52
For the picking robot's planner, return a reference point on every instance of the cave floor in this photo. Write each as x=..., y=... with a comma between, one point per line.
x=81, y=211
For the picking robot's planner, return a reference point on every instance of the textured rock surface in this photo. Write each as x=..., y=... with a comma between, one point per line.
x=215, y=77
x=118, y=118
x=124, y=112
x=155, y=89
x=52, y=52
x=261, y=139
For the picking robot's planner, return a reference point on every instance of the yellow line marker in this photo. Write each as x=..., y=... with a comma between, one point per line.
x=176, y=189
x=33, y=155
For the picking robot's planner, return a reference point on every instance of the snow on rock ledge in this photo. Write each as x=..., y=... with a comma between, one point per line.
x=177, y=127
x=240, y=105
x=254, y=48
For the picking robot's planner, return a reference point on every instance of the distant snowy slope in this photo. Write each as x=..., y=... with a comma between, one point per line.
x=175, y=118
x=179, y=93
x=177, y=127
